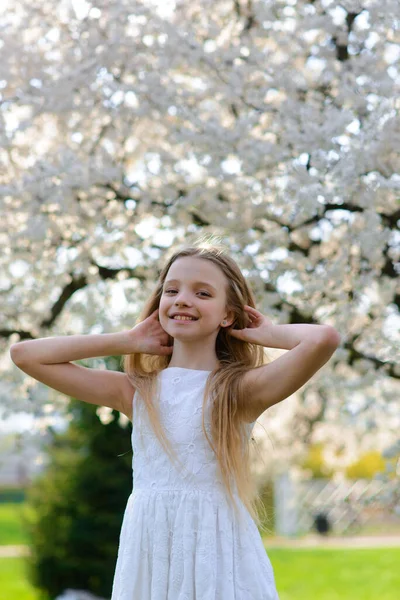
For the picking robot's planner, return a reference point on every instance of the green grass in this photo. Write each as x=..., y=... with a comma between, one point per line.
x=362, y=574
x=14, y=583
x=300, y=575
x=11, y=527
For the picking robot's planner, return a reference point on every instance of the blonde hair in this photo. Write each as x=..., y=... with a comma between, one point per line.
x=224, y=386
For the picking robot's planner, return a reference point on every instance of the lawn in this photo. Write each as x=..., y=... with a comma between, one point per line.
x=362, y=574
x=14, y=584
x=11, y=528
x=301, y=574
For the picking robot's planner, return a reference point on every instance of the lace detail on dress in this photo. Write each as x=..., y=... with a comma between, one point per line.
x=180, y=539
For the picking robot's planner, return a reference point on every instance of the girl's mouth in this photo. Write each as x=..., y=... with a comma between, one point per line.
x=183, y=319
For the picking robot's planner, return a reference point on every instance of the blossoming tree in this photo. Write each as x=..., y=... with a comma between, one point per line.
x=130, y=127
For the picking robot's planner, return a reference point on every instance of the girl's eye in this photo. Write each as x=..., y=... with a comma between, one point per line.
x=205, y=293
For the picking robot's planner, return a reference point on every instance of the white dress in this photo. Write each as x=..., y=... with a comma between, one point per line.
x=180, y=539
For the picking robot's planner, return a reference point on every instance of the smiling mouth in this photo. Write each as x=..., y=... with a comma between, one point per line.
x=184, y=319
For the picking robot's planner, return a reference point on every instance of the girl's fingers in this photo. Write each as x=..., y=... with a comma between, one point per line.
x=251, y=309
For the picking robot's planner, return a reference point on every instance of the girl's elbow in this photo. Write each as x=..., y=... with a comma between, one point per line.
x=17, y=353
x=332, y=335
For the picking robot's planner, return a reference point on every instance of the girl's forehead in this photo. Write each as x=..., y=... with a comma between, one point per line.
x=188, y=264
x=195, y=270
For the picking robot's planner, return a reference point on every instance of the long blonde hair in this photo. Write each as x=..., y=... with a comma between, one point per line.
x=229, y=431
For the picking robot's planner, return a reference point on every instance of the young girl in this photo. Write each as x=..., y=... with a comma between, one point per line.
x=195, y=382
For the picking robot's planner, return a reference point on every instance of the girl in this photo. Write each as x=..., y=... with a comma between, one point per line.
x=194, y=383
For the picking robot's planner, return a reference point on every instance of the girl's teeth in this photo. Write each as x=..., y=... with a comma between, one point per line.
x=183, y=319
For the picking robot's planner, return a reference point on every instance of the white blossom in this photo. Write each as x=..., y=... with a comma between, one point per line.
x=131, y=127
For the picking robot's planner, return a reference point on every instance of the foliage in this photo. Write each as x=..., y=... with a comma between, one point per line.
x=367, y=466
x=314, y=462
x=266, y=508
x=11, y=494
x=76, y=505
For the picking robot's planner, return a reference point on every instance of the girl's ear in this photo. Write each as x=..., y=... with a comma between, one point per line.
x=229, y=319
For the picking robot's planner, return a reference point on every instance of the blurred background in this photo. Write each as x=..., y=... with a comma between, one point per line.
x=129, y=128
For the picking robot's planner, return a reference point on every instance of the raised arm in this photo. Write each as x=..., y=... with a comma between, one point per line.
x=309, y=348
x=49, y=360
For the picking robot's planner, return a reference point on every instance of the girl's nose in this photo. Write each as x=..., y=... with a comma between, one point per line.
x=182, y=299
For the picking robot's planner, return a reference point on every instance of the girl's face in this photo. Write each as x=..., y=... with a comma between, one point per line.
x=194, y=286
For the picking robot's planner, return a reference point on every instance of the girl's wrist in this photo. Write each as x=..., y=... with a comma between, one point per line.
x=130, y=340
x=119, y=343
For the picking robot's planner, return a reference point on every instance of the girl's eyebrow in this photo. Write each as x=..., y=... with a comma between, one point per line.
x=195, y=282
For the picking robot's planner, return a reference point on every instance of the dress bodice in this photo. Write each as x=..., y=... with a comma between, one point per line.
x=180, y=400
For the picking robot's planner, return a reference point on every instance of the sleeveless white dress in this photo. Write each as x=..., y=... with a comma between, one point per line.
x=180, y=538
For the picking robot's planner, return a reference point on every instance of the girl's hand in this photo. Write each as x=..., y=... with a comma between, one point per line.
x=257, y=330
x=149, y=337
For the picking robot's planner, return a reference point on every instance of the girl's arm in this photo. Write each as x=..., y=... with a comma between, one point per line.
x=309, y=348
x=49, y=360
x=61, y=349
x=269, y=384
